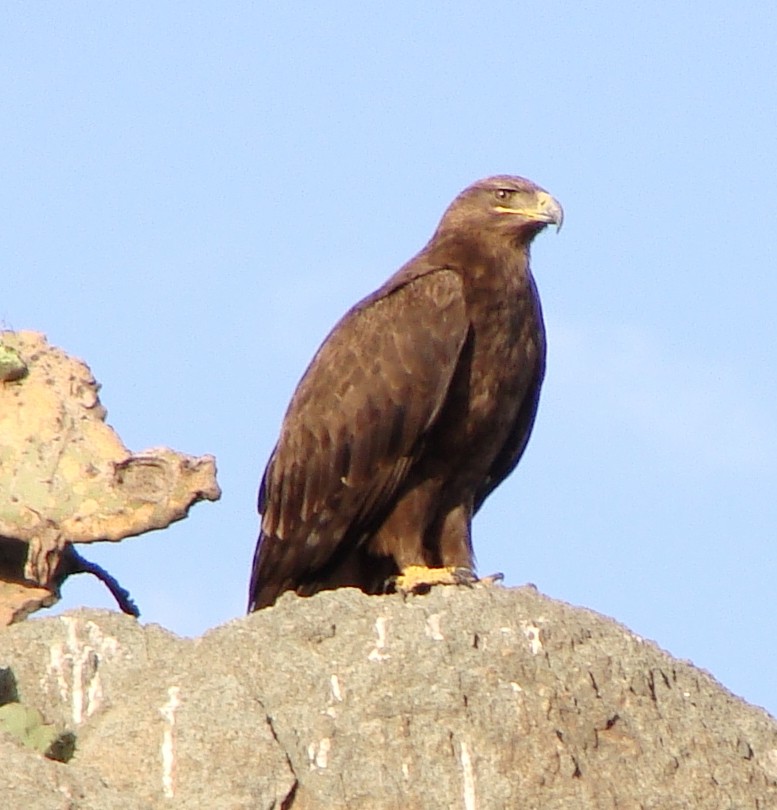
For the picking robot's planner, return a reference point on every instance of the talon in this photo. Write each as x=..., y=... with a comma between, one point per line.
x=464, y=576
x=419, y=579
x=492, y=579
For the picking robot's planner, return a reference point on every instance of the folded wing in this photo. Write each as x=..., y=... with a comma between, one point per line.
x=355, y=426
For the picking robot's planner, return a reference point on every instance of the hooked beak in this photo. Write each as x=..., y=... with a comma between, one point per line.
x=545, y=209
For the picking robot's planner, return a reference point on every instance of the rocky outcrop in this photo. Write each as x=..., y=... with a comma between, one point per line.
x=462, y=698
x=66, y=477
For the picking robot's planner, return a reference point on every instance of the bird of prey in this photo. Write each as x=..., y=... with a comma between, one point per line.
x=416, y=406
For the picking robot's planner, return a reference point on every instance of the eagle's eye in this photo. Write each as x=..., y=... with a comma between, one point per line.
x=504, y=193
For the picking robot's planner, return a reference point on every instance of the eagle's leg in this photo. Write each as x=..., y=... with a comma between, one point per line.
x=451, y=536
x=427, y=549
x=443, y=557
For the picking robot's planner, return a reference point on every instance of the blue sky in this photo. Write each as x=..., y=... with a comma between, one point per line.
x=193, y=193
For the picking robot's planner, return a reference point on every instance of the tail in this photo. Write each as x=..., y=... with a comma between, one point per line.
x=271, y=573
x=256, y=593
x=278, y=567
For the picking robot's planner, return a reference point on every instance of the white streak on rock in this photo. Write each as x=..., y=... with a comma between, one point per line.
x=377, y=653
x=433, y=627
x=108, y=644
x=532, y=633
x=94, y=693
x=56, y=668
x=468, y=777
x=75, y=666
x=322, y=757
x=168, y=741
x=77, y=662
x=336, y=693
x=319, y=754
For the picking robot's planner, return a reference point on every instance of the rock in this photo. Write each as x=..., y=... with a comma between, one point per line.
x=66, y=477
x=31, y=782
x=462, y=698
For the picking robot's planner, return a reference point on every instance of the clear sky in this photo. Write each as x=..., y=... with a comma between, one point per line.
x=193, y=193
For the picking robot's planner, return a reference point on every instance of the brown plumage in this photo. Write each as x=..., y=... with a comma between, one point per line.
x=416, y=406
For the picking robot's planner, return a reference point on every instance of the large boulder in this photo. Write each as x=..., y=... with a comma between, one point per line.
x=462, y=698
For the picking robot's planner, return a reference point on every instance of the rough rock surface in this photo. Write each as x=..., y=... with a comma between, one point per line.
x=463, y=698
x=66, y=477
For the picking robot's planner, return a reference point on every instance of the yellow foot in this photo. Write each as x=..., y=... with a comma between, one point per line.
x=419, y=579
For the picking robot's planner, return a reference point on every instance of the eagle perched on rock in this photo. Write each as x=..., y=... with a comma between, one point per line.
x=416, y=406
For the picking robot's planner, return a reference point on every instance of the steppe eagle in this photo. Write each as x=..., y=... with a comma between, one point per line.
x=415, y=407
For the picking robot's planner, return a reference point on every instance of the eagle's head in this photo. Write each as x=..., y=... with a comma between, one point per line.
x=512, y=207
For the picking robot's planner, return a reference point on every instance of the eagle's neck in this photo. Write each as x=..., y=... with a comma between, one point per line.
x=484, y=263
